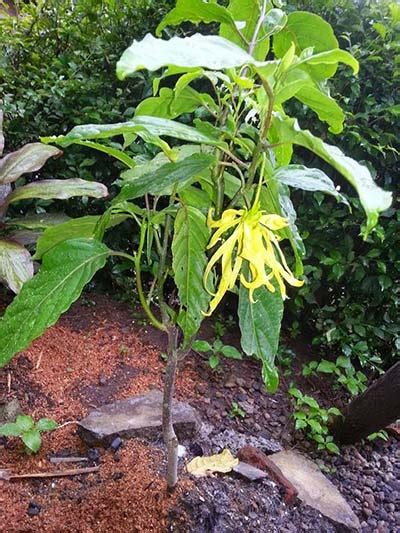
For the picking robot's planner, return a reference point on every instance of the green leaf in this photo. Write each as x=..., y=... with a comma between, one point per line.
x=75, y=228
x=307, y=30
x=16, y=265
x=331, y=57
x=42, y=221
x=142, y=125
x=209, y=51
x=270, y=376
x=307, y=179
x=29, y=158
x=246, y=14
x=65, y=270
x=310, y=401
x=195, y=11
x=331, y=446
x=109, y=150
x=10, y=429
x=260, y=324
x=213, y=361
x=327, y=367
x=24, y=423
x=201, y=346
x=296, y=393
x=373, y=198
x=32, y=440
x=327, y=109
x=189, y=260
x=166, y=105
x=164, y=178
x=58, y=189
x=231, y=352
x=46, y=424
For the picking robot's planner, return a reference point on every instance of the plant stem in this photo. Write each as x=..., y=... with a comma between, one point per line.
x=258, y=27
x=169, y=435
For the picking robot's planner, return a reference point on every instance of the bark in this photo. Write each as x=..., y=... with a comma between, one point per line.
x=169, y=435
x=372, y=411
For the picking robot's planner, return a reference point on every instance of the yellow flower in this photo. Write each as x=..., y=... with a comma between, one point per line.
x=252, y=240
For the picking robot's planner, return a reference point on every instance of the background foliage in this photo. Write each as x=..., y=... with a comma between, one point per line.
x=350, y=303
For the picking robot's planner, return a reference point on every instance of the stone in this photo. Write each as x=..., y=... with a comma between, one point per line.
x=140, y=416
x=249, y=472
x=233, y=440
x=9, y=411
x=314, y=489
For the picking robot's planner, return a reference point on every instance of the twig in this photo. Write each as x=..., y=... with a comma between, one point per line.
x=77, y=472
x=57, y=460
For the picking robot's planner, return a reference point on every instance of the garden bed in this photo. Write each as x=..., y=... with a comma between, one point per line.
x=98, y=353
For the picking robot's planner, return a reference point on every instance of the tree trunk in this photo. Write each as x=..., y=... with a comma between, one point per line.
x=372, y=411
x=169, y=435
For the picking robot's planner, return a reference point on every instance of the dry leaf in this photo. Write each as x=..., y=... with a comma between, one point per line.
x=222, y=462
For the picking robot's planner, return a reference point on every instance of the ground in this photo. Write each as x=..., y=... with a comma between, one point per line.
x=98, y=353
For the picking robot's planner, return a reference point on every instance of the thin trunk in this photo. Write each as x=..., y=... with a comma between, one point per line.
x=169, y=435
x=372, y=411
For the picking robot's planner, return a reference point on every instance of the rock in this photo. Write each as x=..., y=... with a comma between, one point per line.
x=116, y=444
x=230, y=383
x=9, y=411
x=233, y=440
x=314, y=488
x=34, y=509
x=94, y=455
x=140, y=416
x=181, y=451
x=249, y=472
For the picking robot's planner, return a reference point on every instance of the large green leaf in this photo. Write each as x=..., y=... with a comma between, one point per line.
x=39, y=221
x=327, y=109
x=66, y=269
x=75, y=228
x=210, y=51
x=189, y=260
x=195, y=11
x=139, y=125
x=29, y=158
x=58, y=189
x=246, y=14
x=260, y=325
x=307, y=30
x=161, y=180
x=307, y=179
x=16, y=265
x=373, y=198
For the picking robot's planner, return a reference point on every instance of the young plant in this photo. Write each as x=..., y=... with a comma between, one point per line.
x=236, y=411
x=313, y=420
x=212, y=208
x=354, y=381
x=215, y=351
x=28, y=431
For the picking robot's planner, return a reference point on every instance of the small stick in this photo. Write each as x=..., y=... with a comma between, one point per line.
x=39, y=360
x=7, y=475
x=9, y=382
x=68, y=459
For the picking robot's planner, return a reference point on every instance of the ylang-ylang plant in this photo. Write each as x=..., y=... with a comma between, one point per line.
x=212, y=207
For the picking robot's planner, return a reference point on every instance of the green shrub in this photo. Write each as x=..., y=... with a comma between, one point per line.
x=351, y=300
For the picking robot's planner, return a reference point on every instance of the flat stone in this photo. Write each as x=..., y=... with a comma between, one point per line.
x=314, y=489
x=249, y=472
x=140, y=416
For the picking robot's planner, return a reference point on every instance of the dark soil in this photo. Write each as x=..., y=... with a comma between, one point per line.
x=98, y=353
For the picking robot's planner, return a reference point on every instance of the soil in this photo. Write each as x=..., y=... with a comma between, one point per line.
x=98, y=353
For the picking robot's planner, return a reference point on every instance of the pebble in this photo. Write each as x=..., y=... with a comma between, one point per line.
x=116, y=444
x=94, y=455
x=34, y=509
